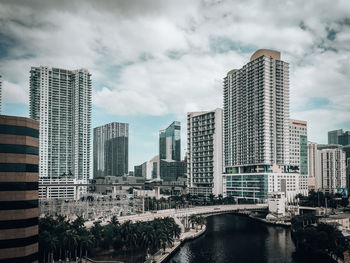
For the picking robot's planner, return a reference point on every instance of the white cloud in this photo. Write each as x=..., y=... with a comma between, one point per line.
x=14, y=93
x=127, y=45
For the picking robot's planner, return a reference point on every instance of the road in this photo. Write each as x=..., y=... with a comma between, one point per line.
x=198, y=210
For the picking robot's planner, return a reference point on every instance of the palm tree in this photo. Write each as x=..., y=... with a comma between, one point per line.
x=114, y=221
x=86, y=241
x=72, y=241
x=96, y=230
x=201, y=221
x=176, y=230
x=193, y=220
x=211, y=198
x=60, y=231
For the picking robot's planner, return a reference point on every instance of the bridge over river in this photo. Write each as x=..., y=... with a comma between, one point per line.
x=186, y=212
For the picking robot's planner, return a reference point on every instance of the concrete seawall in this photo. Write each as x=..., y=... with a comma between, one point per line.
x=163, y=256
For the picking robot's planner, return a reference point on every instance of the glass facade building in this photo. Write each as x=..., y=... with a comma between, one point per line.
x=170, y=142
x=333, y=136
x=171, y=170
x=249, y=186
x=344, y=139
x=111, y=150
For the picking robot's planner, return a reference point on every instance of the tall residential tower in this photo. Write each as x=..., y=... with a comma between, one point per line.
x=60, y=100
x=204, y=152
x=256, y=129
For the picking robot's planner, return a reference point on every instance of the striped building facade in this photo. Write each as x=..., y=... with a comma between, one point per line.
x=19, y=159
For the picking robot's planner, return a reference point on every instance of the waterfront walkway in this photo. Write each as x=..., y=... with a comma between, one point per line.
x=162, y=255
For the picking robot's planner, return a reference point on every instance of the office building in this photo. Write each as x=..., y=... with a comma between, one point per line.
x=19, y=159
x=170, y=142
x=298, y=152
x=344, y=139
x=61, y=101
x=171, y=170
x=150, y=170
x=153, y=169
x=313, y=166
x=140, y=170
x=256, y=129
x=204, y=152
x=111, y=150
x=298, y=145
x=333, y=136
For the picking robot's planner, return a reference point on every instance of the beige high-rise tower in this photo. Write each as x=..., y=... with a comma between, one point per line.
x=256, y=129
x=256, y=111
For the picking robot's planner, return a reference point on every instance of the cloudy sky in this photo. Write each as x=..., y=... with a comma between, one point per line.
x=153, y=61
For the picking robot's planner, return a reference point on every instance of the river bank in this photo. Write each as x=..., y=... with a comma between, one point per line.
x=232, y=238
x=163, y=256
x=273, y=223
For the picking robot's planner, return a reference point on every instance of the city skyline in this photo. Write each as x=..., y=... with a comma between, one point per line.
x=191, y=53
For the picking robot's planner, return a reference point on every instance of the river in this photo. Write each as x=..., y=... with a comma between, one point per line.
x=232, y=238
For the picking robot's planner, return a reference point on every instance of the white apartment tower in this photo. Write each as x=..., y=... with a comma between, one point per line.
x=332, y=169
x=256, y=112
x=60, y=100
x=256, y=129
x=204, y=152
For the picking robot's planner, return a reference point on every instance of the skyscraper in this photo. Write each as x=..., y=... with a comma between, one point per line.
x=170, y=142
x=344, y=139
x=333, y=136
x=19, y=148
x=204, y=152
x=332, y=169
x=256, y=112
x=111, y=149
x=298, y=152
x=313, y=165
x=171, y=168
x=60, y=100
x=256, y=128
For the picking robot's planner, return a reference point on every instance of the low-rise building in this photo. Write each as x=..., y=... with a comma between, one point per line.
x=257, y=186
x=342, y=221
x=277, y=203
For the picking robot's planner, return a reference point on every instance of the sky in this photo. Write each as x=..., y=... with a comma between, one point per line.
x=154, y=61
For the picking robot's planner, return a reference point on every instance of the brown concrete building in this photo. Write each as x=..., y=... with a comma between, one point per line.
x=19, y=159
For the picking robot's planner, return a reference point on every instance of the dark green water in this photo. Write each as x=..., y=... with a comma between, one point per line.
x=232, y=238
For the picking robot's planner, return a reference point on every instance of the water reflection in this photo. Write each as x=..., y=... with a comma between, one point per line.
x=231, y=238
